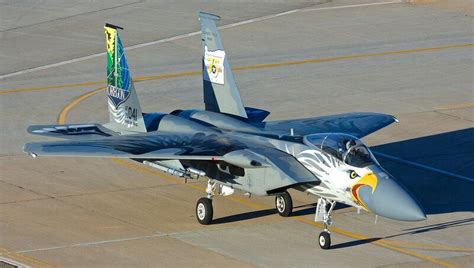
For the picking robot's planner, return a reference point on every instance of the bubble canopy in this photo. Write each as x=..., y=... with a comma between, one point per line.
x=344, y=147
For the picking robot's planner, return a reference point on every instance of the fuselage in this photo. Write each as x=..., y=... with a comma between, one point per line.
x=348, y=175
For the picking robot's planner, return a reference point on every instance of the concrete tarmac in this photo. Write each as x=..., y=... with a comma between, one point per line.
x=321, y=57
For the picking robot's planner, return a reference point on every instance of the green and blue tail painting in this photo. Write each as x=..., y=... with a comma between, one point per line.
x=124, y=108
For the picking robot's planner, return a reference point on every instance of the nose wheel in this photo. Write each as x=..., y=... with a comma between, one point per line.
x=325, y=240
x=284, y=204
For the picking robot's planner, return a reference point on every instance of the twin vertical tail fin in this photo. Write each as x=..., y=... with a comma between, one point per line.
x=220, y=90
x=124, y=108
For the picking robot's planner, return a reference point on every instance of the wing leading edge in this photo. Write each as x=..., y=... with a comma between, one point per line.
x=356, y=124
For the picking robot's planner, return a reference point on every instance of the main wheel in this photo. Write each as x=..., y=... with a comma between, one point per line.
x=204, y=211
x=324, y=240
x=284, y=204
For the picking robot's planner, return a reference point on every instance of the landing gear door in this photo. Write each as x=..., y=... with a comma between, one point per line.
x=320, y=210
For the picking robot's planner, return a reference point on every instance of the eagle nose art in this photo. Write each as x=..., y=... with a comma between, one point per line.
x=378, y=192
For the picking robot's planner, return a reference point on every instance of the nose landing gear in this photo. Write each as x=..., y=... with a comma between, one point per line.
x=323, y=213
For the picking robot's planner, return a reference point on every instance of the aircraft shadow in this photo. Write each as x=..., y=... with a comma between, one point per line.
x=306, y=210
x=452, y=152
x=354, y=243
x=434, y=227
x=410, y=231
x=244, y=216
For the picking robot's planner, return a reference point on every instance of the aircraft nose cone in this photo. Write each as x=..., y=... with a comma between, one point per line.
x=390, y=200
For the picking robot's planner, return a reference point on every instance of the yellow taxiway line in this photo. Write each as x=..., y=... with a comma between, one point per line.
x=248, y=67
x=76, y=101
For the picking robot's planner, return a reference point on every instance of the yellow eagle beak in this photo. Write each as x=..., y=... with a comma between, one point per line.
x=368, y=179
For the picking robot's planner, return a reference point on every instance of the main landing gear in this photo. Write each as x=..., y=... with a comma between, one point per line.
x=323, y=213
x=284, y=204
x=204, y=209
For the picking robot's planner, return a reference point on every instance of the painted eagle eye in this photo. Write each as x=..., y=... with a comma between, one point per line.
x=353, y=174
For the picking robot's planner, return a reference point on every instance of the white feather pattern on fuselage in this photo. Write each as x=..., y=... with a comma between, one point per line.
x=332, y=172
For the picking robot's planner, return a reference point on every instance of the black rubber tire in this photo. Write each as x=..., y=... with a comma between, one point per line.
x=286, y=207
x=204, y=211
x=324, y=240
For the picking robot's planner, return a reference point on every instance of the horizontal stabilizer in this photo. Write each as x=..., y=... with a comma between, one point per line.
x=71, y=131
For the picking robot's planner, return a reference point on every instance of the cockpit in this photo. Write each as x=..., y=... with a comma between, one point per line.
x=344, y=147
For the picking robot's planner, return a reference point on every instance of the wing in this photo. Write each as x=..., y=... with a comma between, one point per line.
x=72, y=131
x=356, y=124
x=152, y=145
x=284, y=169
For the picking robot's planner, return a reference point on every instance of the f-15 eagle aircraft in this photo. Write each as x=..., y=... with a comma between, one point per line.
x=234, y=147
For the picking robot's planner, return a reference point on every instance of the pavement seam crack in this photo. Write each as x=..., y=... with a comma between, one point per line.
x=71, y=16
x=156, y=234
x=26, y=189
x=107, y=215
x=46, y=197
x=454, y=116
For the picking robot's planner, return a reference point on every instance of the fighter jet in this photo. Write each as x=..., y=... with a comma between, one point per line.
x=233, y=147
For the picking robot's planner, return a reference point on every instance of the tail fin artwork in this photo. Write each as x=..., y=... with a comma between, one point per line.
x=124, y=108
x=220, y=90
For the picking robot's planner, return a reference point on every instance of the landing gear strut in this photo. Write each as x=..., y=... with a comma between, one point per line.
x=284, y=204
x=323, y=213
x=204, y=209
